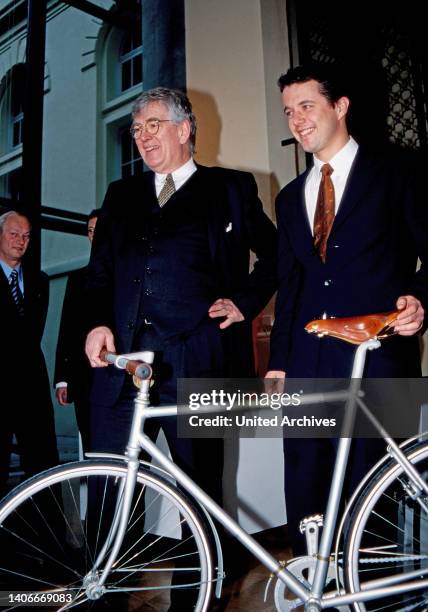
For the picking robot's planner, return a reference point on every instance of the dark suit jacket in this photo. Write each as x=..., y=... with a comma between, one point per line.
x=380, y=229
x=21, y=337
x=237, y=225
x=71, y=365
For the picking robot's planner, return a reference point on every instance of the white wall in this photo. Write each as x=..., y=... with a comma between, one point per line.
x=235, y=51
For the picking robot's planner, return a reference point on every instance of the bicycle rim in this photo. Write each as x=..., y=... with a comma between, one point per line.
x=387, y=536
x=53, y=526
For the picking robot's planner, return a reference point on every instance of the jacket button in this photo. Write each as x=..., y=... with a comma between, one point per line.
x=148, y=292
x=130, y=325
x=148, y=270
x=143, y=237
x=137, y=280
x=328, y=282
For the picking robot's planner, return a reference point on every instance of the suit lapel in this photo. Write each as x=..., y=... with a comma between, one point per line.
x=219, y=202
x=146, y=192
x=361, y=176
x=7, y=294
x=302, y=212
x=5, y=289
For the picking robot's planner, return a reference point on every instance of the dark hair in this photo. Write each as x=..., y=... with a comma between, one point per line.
x=332, y=83
x=94, y=214
x=176, y=102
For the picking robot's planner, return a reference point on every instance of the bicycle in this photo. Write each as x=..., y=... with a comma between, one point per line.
x=57, y=540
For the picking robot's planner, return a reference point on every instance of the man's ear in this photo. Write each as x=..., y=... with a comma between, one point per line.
x=342, y=106
x=184, y=131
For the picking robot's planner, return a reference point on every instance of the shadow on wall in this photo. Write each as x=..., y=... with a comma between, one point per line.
x=208, y=141
x=208, y=147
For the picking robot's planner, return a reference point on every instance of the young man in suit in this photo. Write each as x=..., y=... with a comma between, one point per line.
x=26, y=405
x=73, y=374
x=358, y=258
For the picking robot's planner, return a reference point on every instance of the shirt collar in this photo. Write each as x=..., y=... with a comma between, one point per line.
x=7, y=269
x=342, y=161
x=180, y=175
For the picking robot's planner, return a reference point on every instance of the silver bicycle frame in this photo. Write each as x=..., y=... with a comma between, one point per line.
x=311, y=597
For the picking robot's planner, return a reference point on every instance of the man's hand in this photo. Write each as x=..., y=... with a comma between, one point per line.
x=61, y=396
x=97, y=339
x=274, y=381
x=225, y=308
x=411, y=317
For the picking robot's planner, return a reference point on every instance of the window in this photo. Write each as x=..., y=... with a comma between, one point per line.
x=11, y=108
x=130, y=162
x=121, y=70
x=11, y=123
x=17, y=121
x=131, y=59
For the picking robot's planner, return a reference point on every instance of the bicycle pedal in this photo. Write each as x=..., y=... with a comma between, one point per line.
x=318, y=519
x=310, y=526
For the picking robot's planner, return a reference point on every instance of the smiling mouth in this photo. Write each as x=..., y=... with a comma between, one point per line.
x=149, y=149
x=306, y=131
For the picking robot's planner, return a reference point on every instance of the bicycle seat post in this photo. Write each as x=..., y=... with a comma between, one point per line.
x=340, y=465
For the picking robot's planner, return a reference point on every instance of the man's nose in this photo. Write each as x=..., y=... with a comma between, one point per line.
x=146, y=136
x=298, y=118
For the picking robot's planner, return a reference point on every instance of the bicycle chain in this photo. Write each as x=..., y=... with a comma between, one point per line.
x=395, y=559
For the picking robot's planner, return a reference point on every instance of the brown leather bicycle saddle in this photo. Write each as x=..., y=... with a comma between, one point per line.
x=355, y=329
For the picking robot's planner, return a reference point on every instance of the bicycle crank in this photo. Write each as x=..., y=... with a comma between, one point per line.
x=303, y=569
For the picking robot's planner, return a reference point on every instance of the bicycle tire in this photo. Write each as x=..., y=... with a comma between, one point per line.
x=53, y=526
x=387, y=535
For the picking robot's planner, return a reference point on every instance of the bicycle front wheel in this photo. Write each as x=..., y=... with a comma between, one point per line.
x=53, y=526
x=387, y=536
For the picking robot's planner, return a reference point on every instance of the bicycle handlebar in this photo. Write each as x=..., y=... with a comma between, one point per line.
x=140, y=369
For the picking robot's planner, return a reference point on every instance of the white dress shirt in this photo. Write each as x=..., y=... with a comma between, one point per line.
x=341, y=164
x=180, y=176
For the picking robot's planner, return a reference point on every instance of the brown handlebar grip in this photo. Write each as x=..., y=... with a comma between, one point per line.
x=140, y=369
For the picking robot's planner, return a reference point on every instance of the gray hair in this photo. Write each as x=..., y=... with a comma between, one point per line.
x=177, y=103
x=10, y=213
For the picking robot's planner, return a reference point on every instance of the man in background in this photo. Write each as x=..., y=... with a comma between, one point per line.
x=73, y=374
x=26, y=406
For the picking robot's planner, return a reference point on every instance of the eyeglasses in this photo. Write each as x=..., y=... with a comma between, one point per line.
x=151, y=126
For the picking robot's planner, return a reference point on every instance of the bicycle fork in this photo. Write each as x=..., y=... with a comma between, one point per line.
x=95, y=579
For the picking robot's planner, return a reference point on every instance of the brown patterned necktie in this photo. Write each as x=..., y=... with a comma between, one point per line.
x=167, y=190
x=324, y=212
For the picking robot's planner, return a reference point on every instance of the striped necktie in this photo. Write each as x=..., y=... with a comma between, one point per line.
x=167, y=190
x=16, y=292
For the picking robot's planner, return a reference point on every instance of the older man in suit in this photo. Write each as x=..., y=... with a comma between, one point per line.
x=169, y=261
x=169, y=271
x=26, y=404
x=350, y=230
